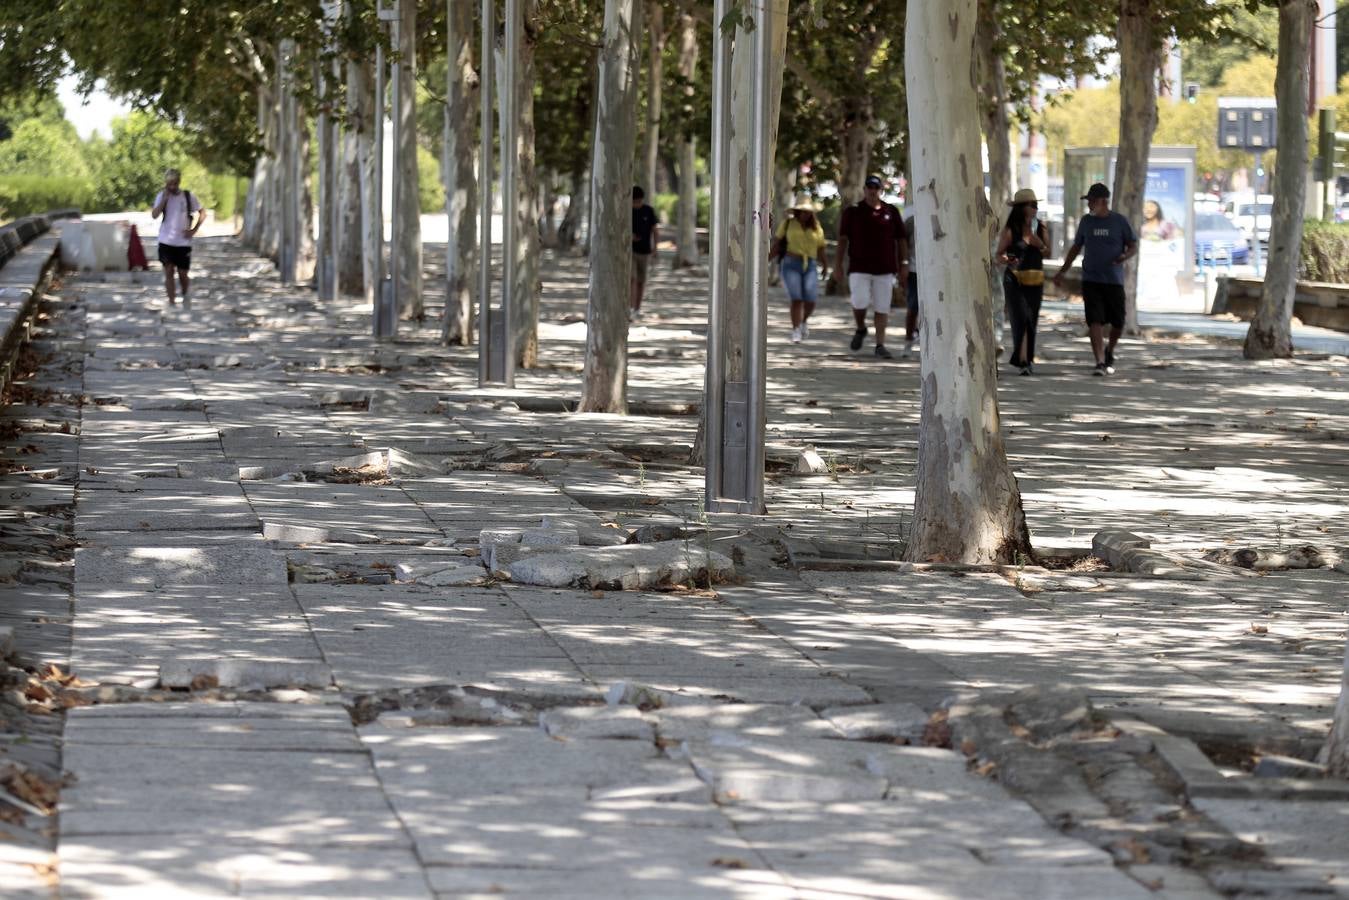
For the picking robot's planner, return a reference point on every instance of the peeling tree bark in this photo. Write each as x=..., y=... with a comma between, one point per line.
x=855, y=149
x=655, y=77
x=993, y=105
x=461, y=181
x=1337, y=748
x=967, y=506
x=1271, y=333
x=1140, y=55
x=686, y=253
x=407, y=264
x=527, y=248
x=604, y=388
x=356, y=256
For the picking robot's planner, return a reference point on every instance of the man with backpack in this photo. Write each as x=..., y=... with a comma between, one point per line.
x=177, y=206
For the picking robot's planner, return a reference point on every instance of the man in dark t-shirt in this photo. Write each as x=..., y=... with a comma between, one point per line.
x=871, y=235
x=1109, y=240
x=645, y=236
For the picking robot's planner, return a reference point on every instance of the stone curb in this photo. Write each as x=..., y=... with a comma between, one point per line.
x=1203, y=779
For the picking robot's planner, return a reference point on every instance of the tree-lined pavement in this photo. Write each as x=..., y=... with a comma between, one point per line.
x=284, y=519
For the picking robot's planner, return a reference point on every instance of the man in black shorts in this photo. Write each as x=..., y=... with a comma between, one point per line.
x=645, y=236
x=1108, y=240
x=177, y=206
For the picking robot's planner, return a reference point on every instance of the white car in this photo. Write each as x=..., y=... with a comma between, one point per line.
x=1253, y=218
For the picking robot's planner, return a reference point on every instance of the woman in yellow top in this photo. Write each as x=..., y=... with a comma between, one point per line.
x=800, y=243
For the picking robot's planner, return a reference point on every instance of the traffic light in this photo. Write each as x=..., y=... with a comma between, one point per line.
x=1192, y=91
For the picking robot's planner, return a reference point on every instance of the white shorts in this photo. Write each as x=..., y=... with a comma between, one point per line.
x=872, y=292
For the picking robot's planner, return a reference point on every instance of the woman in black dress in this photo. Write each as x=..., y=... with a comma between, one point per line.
x=1022, y=247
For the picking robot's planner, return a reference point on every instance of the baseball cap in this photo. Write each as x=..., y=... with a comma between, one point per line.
x=873, y=181
x=1096, y=190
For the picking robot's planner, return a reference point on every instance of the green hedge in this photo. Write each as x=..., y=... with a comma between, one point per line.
x=28, y=195
x=667, y=208
x=1325, y=252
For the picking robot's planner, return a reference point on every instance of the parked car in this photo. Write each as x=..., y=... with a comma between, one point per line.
x=1218, y=241
x=1253, y=217
x=1342, y=212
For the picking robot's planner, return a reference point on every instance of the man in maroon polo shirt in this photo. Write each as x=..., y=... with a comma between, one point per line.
x=871, y=234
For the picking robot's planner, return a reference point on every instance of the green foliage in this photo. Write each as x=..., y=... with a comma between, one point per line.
x=26, y=195
x=40, y=105
x=667, y=207
x=849, y=71
x=228, y=192
x=42, y=147
x=1207, y=62
x=1325, y=252
x=130, y=165
x=430, y=192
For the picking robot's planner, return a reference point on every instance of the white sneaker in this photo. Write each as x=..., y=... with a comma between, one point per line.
x=796, y=335
x=908, y=349
x=805, y=329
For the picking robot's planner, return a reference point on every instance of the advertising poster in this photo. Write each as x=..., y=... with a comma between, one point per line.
x=1161, y=234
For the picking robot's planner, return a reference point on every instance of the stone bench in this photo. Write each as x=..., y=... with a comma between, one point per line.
x=1315, y=303
x=29, y=249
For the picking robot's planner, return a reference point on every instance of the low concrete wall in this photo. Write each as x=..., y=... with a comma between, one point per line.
x=29, y=249
x=1315, y=303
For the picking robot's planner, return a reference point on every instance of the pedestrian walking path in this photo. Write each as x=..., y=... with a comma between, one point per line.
x=296, y=677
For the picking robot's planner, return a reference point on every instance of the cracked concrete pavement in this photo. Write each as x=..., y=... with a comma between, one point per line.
x=251, y=540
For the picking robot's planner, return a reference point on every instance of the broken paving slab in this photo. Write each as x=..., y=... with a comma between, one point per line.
x=630, y=567
x=155, y=564
x=244, y=674
x=749, y=769
x=904, y=721
x=609, y=722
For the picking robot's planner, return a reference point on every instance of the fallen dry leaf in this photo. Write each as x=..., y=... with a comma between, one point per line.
x=730, y=862
x=1259, y=629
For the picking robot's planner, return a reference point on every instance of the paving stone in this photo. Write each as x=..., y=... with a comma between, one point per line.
x=157, y=564
x=123, y=633
x=886, y=720
x=596, y=722
x=699, y=720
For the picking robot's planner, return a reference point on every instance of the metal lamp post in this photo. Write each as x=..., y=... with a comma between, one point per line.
x=496, y=338
x=737, y=315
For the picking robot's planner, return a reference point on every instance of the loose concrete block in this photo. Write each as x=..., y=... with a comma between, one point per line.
x=404, y=464
x=456, y=576
x=623, y=722
x=886, y=720
x=631, y=567
x=378, y=459
x=295, y=534
x=498, y=558
x=1108, y=545
x=499, y=536
x=809, y=462
x=1155, y=564
x=244, y=674
x=550, y=537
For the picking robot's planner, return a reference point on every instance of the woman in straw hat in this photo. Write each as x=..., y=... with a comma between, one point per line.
x=800, y=243
x=1022, y=247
